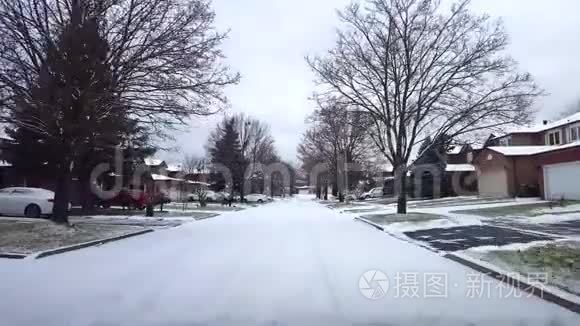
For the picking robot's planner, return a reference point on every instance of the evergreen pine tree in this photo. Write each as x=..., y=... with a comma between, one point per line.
x=228, y=152
x=71, y=106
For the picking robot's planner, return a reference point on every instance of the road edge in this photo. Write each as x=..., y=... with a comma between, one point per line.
x=12, y=256
x=83, y=245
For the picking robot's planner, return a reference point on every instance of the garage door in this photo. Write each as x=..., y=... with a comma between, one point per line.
x=561, y=181
x=493, y=183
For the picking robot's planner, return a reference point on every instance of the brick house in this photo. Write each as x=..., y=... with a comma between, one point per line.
x=542, y=160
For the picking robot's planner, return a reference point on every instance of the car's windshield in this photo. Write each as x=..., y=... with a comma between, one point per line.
x=289, y=162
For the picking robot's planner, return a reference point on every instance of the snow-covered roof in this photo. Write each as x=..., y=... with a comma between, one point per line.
x=201, y=171
x=153, y=162
x=530, y=150
x=198, y=183
x=455, y=150
x=460, y=168
x=544, y=127
x=159, y=177
x=174, y=168
x=5, y=164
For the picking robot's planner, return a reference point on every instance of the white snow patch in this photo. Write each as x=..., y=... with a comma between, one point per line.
x=460, y=168
x=554, y=218
x=510, y=247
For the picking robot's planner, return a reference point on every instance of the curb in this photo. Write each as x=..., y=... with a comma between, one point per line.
x=396, y=236
x=12, y=256
x=376, y=226
x=57, y=251
x=523, y=286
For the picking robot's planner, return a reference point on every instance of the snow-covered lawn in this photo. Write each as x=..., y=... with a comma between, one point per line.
x=558, y=261
x=211, y=207
x=526, y=210
x=32, y=237
x=287, y=263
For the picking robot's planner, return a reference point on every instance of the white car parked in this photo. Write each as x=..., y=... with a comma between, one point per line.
x=373, y=193
x=29, y=202
x=210, y=196
x=257, y=198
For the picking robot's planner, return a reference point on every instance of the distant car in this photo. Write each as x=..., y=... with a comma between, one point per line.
x=373, y=193
x=256, y=198
x=210, y=196
x=28, y=202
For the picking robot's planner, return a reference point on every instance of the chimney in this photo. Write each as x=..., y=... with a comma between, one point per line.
x=545, y=122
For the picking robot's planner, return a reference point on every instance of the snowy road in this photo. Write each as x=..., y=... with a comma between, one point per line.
x=288, y=263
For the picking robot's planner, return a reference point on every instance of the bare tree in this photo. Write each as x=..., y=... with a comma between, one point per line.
x=337, y=135
x=418, y=70
x=192, y=164
x=162, y=59
x=164, y=54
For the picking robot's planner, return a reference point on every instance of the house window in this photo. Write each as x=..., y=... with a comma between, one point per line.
x=554, y=138
x=574, y=133
x=505, y=141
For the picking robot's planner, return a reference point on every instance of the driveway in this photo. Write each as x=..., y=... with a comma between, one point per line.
x=465, y=237
x=293, y=262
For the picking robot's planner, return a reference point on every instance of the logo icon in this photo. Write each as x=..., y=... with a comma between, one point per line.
x=374, y=285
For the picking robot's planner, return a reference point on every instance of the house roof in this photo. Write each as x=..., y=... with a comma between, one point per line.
x=460, y=168
x=544, y=127
x=159, y=177
x=174, y=168
x=4, y=164
x=530, y=150
x=455, y=150
x=198, y=183
x=153, y=162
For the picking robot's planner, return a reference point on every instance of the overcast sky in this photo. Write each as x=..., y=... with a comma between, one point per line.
x=269, y=39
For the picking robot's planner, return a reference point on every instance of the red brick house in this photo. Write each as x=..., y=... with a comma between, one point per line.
x=542, y=160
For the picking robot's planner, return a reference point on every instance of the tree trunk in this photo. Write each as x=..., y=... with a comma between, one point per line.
x=87, y=198
x=149, y=210
x=61, y=195
x=401, y=180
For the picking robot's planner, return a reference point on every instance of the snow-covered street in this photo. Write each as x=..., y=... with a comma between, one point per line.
x=292, y=262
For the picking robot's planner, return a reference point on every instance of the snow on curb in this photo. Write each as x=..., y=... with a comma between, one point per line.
x=83, y=245
x=545, y=292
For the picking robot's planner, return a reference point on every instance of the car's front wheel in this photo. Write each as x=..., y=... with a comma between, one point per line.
x=260, y=201
x=32, y=211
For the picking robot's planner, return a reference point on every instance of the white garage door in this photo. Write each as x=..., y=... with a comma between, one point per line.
x=493, y=183
x=562, y=181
